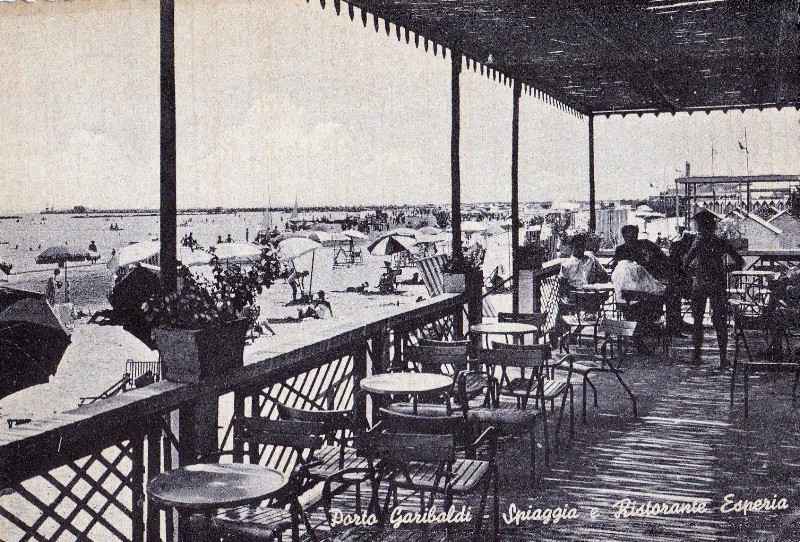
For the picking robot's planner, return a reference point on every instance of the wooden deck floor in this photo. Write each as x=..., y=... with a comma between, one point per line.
x=688, y=445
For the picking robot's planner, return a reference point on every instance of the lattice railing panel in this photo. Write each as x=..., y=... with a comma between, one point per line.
x=92, y=498
x=326, y=387
x=548, y=296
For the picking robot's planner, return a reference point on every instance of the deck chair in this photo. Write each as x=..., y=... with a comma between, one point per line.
x=430, y=269
x=120, y=385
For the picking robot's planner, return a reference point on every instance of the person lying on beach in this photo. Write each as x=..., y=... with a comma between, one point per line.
x=321, y=309
x=413, y=280
x=357, y=289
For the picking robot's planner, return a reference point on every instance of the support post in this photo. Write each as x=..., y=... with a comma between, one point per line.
x=592, y=202
x=515, y=196
x=169, y=208
x=455, y=162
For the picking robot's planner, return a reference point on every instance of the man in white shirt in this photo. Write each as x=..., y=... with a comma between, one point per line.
x=582, y=267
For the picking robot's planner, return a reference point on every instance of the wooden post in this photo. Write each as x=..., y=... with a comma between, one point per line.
x=515, y=196
x=169, y=208
x=592, y=202
x=153, y=468
x=455, y=164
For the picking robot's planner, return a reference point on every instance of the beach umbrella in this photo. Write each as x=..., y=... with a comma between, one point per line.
x=127, y=298
x=236, y=252
x=291, y=249
x=354, y=234
x=339, y=237
x=393, y=244
x=32, y=340
x=61, y=254
x=290, y=235
x=133, y=253
x=470, y=226
x=320, y=236
x=189, y=257
x=430, y=230
x=407, y=232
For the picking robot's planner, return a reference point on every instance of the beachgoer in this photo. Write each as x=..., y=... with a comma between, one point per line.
x=53, y=284
x=219, y=239
x=321, y=310
x=229, y=239
x=293, y=279
x=681, y=284
x=642, y=251
x=582, y=267
x=92, y=247
x=707, y=267
x=246, y=235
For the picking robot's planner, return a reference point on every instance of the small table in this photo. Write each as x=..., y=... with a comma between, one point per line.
x=206, y=487
x=514, y=329
x=406, y=384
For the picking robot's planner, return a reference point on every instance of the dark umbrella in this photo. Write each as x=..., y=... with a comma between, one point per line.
x=32, y=340
x=127, y=297
x=61, y=254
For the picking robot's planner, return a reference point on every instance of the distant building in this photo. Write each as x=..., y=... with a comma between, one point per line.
x=790, y=228
x=764, y=195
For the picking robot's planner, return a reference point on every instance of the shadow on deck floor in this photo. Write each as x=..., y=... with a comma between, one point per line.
x=688, y=445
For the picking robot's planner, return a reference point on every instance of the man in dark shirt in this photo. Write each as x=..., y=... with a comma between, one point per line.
x=642, y=251
x=707, y=267
x=680, y=282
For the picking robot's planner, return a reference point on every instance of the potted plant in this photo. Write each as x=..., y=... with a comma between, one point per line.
x=532, y=255
x=459, y=273
x=200, y=329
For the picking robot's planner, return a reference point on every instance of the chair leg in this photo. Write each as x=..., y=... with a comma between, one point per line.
x=533, y=455
x=594, y=391
x=546, y=439
x=479, y=519
x=495, y=505
x=571, y=412
x=630, y=393
x=583, y=399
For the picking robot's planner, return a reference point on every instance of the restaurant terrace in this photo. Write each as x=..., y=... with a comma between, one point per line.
x=659, y=430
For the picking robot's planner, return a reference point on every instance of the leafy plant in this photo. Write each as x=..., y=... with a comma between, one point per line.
x=200, y=302
x=472, y=260
x=729, y=229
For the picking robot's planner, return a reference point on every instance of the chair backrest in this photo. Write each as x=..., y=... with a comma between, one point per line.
x=402, y=448
x=398, y=422
x=332, y=420
x=431, y=358
x=537, y=319
x=515, y=355
x=299, y=435
x=617, y=328
x=432, y=275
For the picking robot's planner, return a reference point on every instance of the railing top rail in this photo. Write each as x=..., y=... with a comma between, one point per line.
x=108, y=421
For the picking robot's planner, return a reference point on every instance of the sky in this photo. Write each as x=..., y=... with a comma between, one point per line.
x=282, y=99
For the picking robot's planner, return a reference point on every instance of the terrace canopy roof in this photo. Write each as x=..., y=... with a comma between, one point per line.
x=608, y=57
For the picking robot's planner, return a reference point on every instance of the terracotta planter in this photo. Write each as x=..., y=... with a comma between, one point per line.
x=454, y=283
x=192, y=355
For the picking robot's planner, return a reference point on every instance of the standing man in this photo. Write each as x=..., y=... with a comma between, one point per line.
x=707, y=267
x=53, y=284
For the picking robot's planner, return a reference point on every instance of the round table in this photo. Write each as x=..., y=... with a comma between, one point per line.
x=406, y=384
x=513, y=329
x=206, y=487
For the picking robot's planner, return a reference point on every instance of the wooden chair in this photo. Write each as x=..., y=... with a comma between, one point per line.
x=422, y=454
x=583, y=310
x=336, y=461
x=613, y=331
x=451, y=358
x=256, y=523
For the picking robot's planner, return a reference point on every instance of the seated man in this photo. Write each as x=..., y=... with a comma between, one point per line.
x=642, y=251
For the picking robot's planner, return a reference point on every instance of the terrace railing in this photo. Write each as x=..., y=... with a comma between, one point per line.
x=81, y=475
